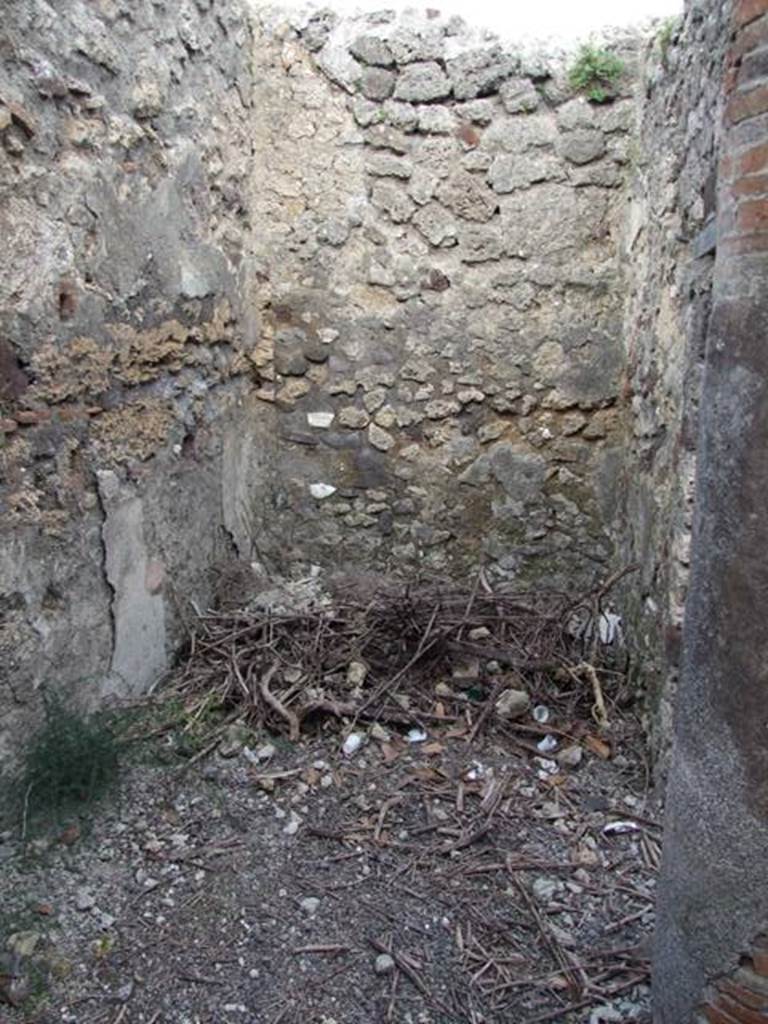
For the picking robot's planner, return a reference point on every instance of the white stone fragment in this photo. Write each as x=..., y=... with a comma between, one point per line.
x=547, y=745
x=321, y=490
x=352, y=744
x=620, y=828
x=416, y=736
x=320, y=419
x=294, y=823
x=384, y=964
x=356, y=673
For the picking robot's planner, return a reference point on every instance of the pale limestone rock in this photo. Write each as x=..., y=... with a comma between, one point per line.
x=352, y=417
x=380, y=438
x=512, y=704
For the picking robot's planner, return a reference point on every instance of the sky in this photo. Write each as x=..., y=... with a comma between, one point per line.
x=536, y=18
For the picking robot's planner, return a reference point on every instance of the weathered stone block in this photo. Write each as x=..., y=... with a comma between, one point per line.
x=147, y=98
x=439, y=154
x=576, y=113
x=387, y=166
x=393, y=201
x=467, y=197
x=364, y=111
x=477, y=111
x=616, y=117
x=552, y=219
x=335, y=231
x=436, y=224
x=401, y=115
x=480, y=72
x=436, y=120
x=372, y=50
x=339, y=65
x=377, y=83
x=423, y=45
x=516, y=134
x=480, y=244
x=582, y=146
x=476, y=160
x=289, y=356
x=519, y=96
x=520, y=474
x=382, y=136
x=380, y=438
x=422, y=185
x=508, y=173
x=605, y=174
x=422, y=82
x=353, y=417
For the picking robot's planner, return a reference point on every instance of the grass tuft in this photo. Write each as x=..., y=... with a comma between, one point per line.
x=596, y=73
x=667, y=36
x=71, y=761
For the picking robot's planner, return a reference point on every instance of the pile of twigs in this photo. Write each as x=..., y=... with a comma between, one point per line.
x=279, y=669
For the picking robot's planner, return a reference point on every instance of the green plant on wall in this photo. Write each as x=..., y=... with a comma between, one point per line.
x=666, y=37
x=596, y=74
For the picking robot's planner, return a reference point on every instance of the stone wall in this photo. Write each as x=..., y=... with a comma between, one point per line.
x=124, y=157
x=668, y=251
x=713, y=901
x=373, y=292
x=437, y=223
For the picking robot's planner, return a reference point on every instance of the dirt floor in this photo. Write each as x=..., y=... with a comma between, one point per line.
x=433, y=880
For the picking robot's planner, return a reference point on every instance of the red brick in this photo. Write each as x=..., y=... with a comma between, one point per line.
x=746, y=977
x=743, y=1014
x=737, y=244
x=754, y=66
x=760, y=961
x=741, y=993
x=754, y=160
x=716, y=1016
x=748, y=10
x=750, y=38
x=731, y=79
x=752, y=216
x=743, y=105
x=751, y=185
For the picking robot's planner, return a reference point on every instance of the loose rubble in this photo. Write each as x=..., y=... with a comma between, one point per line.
x=433, y=860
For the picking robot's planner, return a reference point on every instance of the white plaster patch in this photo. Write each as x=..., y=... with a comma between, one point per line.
x=138, y=653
